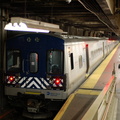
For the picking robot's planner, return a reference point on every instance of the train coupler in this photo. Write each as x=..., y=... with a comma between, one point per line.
x=35, y=110
x=33, y=105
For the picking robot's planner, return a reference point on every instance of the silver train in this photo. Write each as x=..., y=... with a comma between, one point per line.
x=44, y=69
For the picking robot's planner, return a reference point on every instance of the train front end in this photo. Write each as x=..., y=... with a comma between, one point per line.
x=35, y=71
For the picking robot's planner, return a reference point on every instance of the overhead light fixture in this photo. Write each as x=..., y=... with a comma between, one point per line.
x=23, y=24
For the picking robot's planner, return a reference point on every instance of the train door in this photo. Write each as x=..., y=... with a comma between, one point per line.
x=30, y=65
x=87, y=58
x=103, y=49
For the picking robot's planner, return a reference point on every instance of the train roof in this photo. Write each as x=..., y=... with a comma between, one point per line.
x=82, y=38
x=67, y=38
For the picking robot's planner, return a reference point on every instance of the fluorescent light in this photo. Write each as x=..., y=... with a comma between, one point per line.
x=23, y=27
x=23, y=24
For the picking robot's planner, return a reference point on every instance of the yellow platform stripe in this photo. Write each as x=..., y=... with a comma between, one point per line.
x=93, y=79
x=88, y=92
x=64, y=107
x=71, y=97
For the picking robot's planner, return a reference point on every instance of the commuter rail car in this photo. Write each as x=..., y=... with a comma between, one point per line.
x=42, y=68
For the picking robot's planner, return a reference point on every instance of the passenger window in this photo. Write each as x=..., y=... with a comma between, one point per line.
x=13, y=61
x=55, y=62
x=119, y=66
x=80, y=61
x=33, y=62
x=71, y=61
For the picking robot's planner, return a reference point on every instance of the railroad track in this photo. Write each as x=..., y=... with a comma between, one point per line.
x=13, y=114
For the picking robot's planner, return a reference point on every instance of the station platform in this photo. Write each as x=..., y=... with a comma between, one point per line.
x=98, y=98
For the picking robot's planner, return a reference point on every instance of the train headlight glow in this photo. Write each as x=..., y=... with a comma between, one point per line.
x=57, y=81
x=11, y=78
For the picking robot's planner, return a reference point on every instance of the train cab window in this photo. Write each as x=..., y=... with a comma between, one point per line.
x=33, y=62
x=13, y=61
x=55, y=62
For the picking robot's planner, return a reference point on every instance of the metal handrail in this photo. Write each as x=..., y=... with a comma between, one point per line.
x=92, y=112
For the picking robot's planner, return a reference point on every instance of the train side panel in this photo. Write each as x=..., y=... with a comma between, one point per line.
x=75, y=64
x=95, y=54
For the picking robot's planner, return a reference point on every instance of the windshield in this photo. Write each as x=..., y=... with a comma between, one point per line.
x=13, y=60
x=55, y=62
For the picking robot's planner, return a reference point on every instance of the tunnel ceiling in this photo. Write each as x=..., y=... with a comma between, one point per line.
x=92, y=15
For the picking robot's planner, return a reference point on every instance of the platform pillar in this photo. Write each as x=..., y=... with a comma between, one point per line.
x=2, y=58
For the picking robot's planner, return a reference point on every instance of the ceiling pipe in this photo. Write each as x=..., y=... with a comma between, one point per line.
x=94, y=8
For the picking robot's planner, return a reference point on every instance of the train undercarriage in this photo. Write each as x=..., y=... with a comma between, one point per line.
x=35, y=107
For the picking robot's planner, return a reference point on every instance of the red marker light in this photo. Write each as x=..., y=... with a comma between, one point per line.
x=57, y=81
x=11, y=78
x=86, y=45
